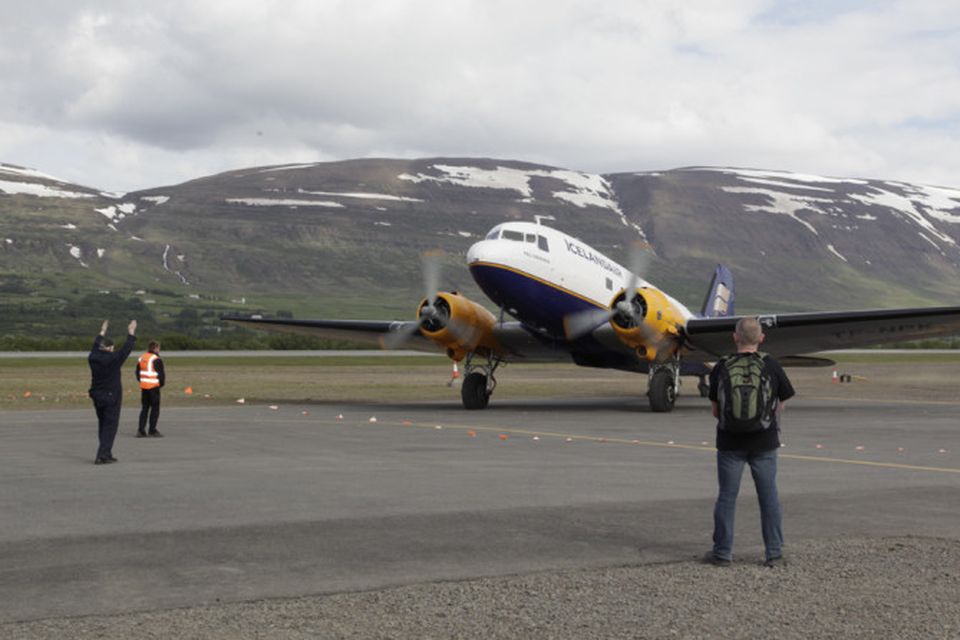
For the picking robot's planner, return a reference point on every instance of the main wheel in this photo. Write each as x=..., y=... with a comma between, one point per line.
x=703, y=388
x=474, y=391
x=662, y=393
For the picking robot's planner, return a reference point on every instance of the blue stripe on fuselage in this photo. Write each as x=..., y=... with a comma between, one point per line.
x=530, y=300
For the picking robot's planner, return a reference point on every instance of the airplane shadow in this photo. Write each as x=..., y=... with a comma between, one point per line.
x=513, y=405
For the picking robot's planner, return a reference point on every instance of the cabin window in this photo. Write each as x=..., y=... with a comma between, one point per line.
x=609, y=284
x=542, y=243
x=512, y=235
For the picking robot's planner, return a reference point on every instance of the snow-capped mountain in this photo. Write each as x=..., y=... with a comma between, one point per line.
x=347, y=235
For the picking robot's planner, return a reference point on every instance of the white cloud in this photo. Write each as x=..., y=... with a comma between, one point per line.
x=138, y=94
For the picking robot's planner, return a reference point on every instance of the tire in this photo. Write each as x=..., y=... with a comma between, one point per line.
x=662, y=393
x=704, y=389
x=473, y=393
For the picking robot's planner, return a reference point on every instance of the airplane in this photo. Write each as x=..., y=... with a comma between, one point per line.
x=570, y=303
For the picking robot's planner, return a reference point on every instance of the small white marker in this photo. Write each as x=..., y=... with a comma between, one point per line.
x=273, y=407
x=373, y=418
x=240, y=400
x=339, y=416
x=438, y=427
x=536, y=437
x=859, y=447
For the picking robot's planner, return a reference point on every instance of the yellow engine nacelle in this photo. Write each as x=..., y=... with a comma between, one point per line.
x=459, y=325
x=653, y=328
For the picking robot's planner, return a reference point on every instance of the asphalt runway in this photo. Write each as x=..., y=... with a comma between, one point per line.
x=250, y=502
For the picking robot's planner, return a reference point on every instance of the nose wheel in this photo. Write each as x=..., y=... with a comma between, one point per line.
x=478, y=386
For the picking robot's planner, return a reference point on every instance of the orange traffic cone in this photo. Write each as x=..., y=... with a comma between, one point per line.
x=454, y=376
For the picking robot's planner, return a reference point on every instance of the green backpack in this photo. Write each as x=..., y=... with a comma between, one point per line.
x=746, y=394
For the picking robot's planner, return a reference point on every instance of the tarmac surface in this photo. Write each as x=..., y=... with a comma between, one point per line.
x=252, y=502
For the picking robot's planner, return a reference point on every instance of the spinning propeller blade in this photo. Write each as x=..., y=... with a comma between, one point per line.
x=581, y=323
x=430, y=263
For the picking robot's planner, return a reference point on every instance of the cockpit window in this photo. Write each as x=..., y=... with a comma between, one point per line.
x=542, y=243
x=531, y=237
x=512, y=235
x=494, y=234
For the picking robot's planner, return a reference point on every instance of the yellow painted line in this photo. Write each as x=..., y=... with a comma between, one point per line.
x=868, y=463
x=948, y=403
x=666, y=445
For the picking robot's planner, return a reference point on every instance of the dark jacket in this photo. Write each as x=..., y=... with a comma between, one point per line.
x=105, y=368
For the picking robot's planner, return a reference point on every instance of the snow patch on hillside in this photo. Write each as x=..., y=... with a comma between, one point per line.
x=283, y=202
x=907, y=206
x=288, y=167
x=156, y=199
x=938, y=201
x=77, y=253
x=366, y=196
x=40, y=190
x=586, y=189
x=787, y=204
x=166, y=265
x=117, y=212
x=754, y=174
x=832, y=250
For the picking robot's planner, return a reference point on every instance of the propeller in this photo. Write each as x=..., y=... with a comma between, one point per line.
x=581, y=323
x=434, y=313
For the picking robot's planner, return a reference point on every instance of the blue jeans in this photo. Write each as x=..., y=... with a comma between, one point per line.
x=763, y=468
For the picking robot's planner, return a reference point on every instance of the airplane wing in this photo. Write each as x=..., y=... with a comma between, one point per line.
x=518, y=343
x=370, y=332
x=792, y=334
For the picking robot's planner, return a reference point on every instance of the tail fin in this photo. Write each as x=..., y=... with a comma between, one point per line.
x=720, y=295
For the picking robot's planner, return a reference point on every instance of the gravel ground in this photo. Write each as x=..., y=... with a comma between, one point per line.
x=880, y=588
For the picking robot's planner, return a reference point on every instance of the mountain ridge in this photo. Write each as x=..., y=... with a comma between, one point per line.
x=343, y=239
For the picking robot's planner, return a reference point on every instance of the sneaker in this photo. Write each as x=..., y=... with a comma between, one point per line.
x=710, y=558
x=779, y=561
x=155, y=434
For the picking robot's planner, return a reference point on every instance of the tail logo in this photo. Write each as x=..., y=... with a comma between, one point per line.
x=721, y=301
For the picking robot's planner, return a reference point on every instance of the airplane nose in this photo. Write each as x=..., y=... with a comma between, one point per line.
x=473, y=254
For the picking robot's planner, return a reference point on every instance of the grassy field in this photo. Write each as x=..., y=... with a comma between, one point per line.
x=49, y=383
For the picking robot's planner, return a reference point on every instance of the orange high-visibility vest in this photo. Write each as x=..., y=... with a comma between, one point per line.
x=148, y=375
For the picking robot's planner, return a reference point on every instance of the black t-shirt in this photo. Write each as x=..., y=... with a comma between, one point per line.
x=766, y=439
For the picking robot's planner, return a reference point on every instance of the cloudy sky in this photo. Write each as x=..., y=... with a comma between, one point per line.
x=131, y=94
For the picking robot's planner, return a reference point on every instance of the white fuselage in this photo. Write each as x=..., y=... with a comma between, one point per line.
x=540, y=275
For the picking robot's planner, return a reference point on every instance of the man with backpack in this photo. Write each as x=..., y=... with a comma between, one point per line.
x=748, y=390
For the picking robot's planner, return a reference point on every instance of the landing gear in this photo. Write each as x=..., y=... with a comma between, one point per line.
x=703, y=387
x=474, y=392
x=664, y=386
x=478, y=386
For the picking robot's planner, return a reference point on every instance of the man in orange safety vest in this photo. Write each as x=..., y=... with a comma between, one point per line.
x=150, y=375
